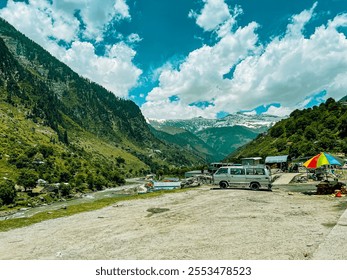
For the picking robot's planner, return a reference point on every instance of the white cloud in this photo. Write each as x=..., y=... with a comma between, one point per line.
x=213, y=14
x=164, y=109
x=299, y=21
x=295, y=67
x=216, y=16
x=134, y=38
x=115, y=70
x=200, y=76
x=122, y=8
x=121, y=52
x=286, y=71
x=339, y=21
x=95, y=15
x=279, y=111
x=44, y=21
x=58, y=18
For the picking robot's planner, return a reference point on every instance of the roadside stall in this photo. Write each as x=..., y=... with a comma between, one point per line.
x=279, y=162
x=323, y=161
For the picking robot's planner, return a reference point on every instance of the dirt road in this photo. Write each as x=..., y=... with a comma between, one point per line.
x=197, y=224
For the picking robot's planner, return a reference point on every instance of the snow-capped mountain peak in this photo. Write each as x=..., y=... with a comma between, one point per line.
x=255, y=122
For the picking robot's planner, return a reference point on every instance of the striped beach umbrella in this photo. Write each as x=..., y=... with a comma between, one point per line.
x=321, y=159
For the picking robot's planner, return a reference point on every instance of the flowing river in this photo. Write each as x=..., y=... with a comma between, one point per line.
x=112, y=192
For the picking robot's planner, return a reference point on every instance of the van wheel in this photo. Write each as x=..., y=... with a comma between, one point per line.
x=223, y=185
x=254, y=186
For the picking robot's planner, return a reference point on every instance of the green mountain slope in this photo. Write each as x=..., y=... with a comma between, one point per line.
x=188, y=141
x=52, y=89
x=305, y=133
x=226, y=139
x=60, y=127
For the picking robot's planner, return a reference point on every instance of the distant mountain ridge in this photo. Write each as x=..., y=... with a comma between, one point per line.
x=188, y=141
x=221, y=136
x=257, y=122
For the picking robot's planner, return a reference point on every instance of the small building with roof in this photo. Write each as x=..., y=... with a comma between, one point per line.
x=280, y=161
x=251, y=161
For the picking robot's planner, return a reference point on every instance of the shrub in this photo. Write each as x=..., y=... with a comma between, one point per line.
x=100, y=182
x=276, y=131
x=27, y=178
x=310, y=133
x=65, y=189
x=7, y=192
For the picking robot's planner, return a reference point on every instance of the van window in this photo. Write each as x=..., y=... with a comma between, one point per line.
x=222, y=171
x=255, y=171
x=249, y=171
x=260, y=171
x=237, y=171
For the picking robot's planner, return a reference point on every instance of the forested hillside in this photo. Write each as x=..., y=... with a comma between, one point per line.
x=305, y=133
x=61, y=128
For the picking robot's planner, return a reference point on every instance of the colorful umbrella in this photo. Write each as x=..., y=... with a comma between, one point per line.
x=321, y=159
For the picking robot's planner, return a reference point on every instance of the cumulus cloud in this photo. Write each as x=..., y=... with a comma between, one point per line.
x=59, y=17
x=287, y=71
x=94, y=14
x=200, y=76
x=114, y=71
x=44, y=21
x=52, y=21
x=295, y=67
x=164, y=109
x=216, y=16
x=212, y=15
x=299, y=21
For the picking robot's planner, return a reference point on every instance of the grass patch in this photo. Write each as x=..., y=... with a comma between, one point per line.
x=7, y=225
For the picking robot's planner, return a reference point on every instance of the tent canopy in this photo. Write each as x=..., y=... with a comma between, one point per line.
x=276, y=159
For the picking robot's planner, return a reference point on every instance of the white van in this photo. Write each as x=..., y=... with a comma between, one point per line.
x=255, y=177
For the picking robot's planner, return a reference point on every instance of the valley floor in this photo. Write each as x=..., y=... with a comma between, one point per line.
x=200, y=223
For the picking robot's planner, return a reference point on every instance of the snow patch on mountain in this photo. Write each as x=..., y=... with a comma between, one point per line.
x=254, y=122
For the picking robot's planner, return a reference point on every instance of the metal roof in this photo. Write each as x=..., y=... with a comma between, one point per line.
x=276, y=159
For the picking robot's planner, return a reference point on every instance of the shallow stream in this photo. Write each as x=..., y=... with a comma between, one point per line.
x=113, y=192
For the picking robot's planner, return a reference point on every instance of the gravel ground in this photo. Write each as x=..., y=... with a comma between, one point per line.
x=200, y=223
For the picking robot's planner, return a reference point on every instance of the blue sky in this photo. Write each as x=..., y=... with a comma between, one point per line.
x=189, y=58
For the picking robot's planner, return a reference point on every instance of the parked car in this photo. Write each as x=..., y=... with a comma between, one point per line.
x=254, y=177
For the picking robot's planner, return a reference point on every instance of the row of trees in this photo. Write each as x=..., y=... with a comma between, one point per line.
x=305, y=133
x=74, y=170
